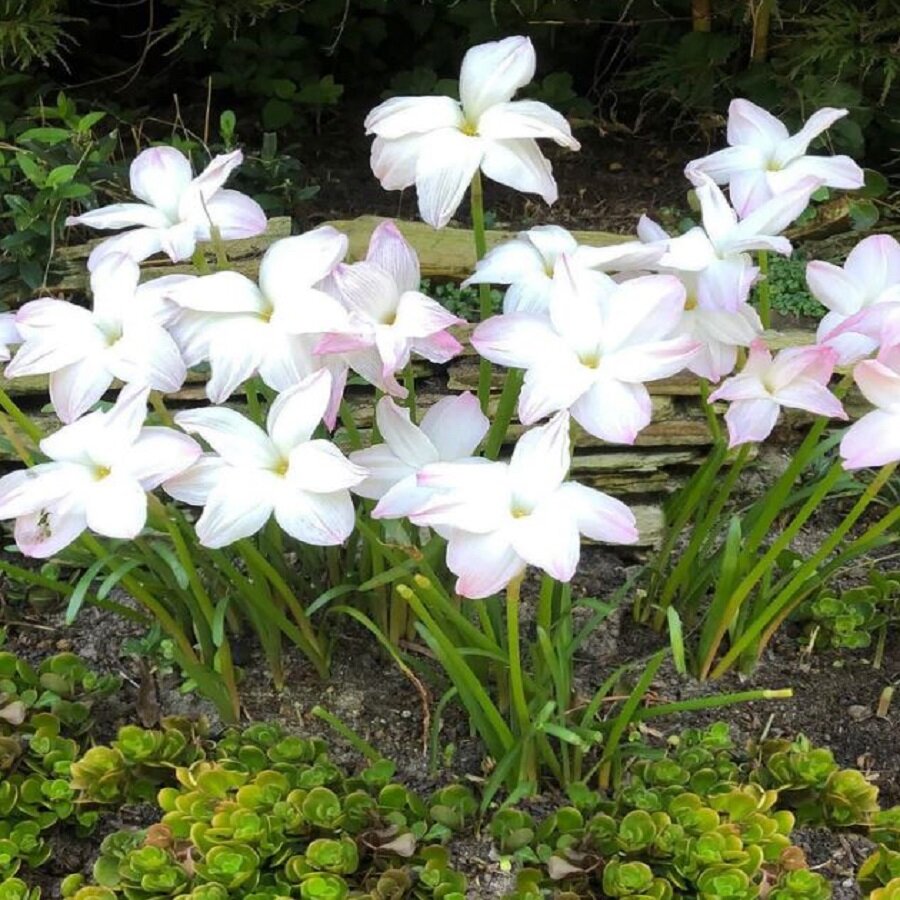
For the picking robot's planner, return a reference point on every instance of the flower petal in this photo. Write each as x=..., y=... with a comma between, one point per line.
x=613, y=411
x=399, y=117
x=719, y=219
x=43, y=534
x=418, y=316
x=526, y=119
x=406, y=441
x=455, y=426
x=444, y=171
x=389, y=250
x=323, y=520
x=192, y=206
x=147, y=354
x=509, y=262
x=221, y=292
x=834, y=288
x=751, y=124
x=116, y=507
x=385, y=470
x=235, y=215
x=521, y=165
x=726, y=164
x=549, y=540
x=159, y=176
x=540, y=461
x=76, y=388
x=599, y=516
x=138, y=244
x=393, y=162
x=751, y=421
x=27, y=491
x=879, y=384
x=236, y=349
x=872, y=441
x=238, y=506
x=874, y=264
x=625, y=257
x=193, y=485
x=319, y=467
x=797, y=144
x=552, y=384
x=774, y=215
x=300, y=261
x=235, y=438
x=121, y=215
x=749, y=189
x=804, y=393
x=296, y=413
x=483, y=563
x=491, y=73
x=516, y=340
x=158, y=455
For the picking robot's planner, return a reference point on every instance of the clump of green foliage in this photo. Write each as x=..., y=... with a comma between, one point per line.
x=851, y=619
x=788, y=292
x=268, y=814
x=700, y=820
x=461, y=301
x=32, y=31
x=45, y=712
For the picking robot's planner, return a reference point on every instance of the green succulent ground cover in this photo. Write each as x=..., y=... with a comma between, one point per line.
x=260, y=813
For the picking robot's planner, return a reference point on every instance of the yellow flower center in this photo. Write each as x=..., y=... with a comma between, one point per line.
x=591, y=360
x=282, y=467
x=690, y=302
x=469, y=128
x=102, y=472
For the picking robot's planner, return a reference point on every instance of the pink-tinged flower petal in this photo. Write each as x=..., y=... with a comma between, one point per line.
x=509, y=262
x=159, y=176
x=444, y=170
x=147, y=354
x=491, y=73
x=455, y=426
x=644, y=309
x=319, y=467
x=296, y=413
x=650, y=361
x=797, y=144
x=202, y=189
x=235, y=215
x=113, y=285
x=236, y=439
x=751, y=421
x=403, y=499
x=138, y=244
x=28, y=491
x=552, y=384
x=121, y=215
x=343, y=343
x=368, y=291
x=323, y=520
x=834, y=288
x=815, y=362
x=310, y=311
x=719, y=219
x=849, y=346
x=438, y=348
x=9, y=332
x=390, y=251
x=238, y=506
x=725, y=284
x=193, y=485
x=613, y=411
x=526, y=119
x=76, y=388
x=874, y=264
x=549, y=540
x=774, y=215
x=408, y=442
x=517, y=340
x=598, y=516
x=393, y=350
x=532, y=296
x=689, y=252
x=394, y=162
x=521, y=165
x=418, y=316
x=551, y=241
x=237, y=347
x=804, y=393
x=180, y=241
x=650, y=231
x=872, y=441
x=879, y=384
x=400, y=117
x=300, y=261
x=43, y=534
x=832, y=171
x=116, y=507
x=751, y=124
x=55, y=334
x=725, y=164
x=714, y=361
x=625, y=257
x=385, y=470
x=749, y=188
x=370, y=366
x=472, y=495
x=739, y=388
x=484, y=563
x=540, y=461
x=158, y=455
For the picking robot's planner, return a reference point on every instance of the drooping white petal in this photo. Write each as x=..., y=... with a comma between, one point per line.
x=323, y=520
x=526, y=119
x=138, y=244
x=548, y=539
x=113, y=285
x=520, y=164
x=43, y=534
x=455, y=426
x=193, y=485
x=872, y=441
x=751, y=421
x=516, y=340
x=393, y=162
x=613, y=411
x=158, y=455
x=749, y=188
x=444, y=170
x=727, y=163
x=399, y=117
x=319, y=467
x=238, y=505
x=407, y=441
x=235, y=438
x=236, y=349
x=147, y=354
x=511, y=261
x=599, y=516
x=116, y=507
x=221, y=292
x=719, y=219
x=121, y=215
x=159, y=176
x=28, y=491
x=491, y=73
x=483, y=563
x=774, y=215
x=296, y=413
x=235, y=215
x=74, y=389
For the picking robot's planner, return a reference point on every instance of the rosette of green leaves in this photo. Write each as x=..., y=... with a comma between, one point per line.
x=879, y=869
x=512, y=829
x=801, y=884
x=16, y=889
x=633, y=880
x=723, y=881
x=886, y=828
x=890, y=891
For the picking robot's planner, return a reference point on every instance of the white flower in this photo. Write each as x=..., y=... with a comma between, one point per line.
x=283, y=470
x=870, y=277
x=270, y=328
x=527, y=263
x=764, y=160
x=502, y=516
x=450, y=431
x=122, y=336
x=438, y=143
x=100, y=470
x=9, y=334
x=178, y=209
x=389, y=318
x=594, y=352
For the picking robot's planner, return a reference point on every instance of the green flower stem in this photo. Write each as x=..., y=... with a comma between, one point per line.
x=256, y=561
x=484, y=290
x=698, y=703
x=198, y=260
x=219, y=247
x=25, y=424
x=349, y=423
x=765, y=309
x=158, y=402
x=505, y=407
x=715, y=429
x=764, y=564
x=516, y=681
x=808, y=568
x=15, y=441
